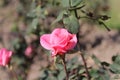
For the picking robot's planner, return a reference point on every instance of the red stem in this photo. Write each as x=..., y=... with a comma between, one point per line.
x=65, y=68
x=83, y=58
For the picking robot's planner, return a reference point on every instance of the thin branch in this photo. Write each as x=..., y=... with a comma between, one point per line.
x=10, y=68
x=75, y=11
x=65, y=68
x=73, y=8
x=85, y=64
x=15, y=75
x=102, y=23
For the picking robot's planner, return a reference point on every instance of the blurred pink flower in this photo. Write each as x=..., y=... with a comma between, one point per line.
x=59, y=41
x=28, y=51
x=5, y=56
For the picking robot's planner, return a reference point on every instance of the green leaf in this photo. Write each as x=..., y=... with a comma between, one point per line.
x=115, y=68
x=35, y=23
x=84, y=79
x=75, y=2
x=61, y=75
x=65, y=3
x=94, y=73
x=60, y=17
x=117, y=59
x=72, y=77
x=32, y=12
x=38, y=9
x=15, y=43
x=20, y=78
x=97, y=61
x=73, y=63
x=100, y=74
x=15, y=28
x=81, y=71
x=106, y=76
x=71, y=23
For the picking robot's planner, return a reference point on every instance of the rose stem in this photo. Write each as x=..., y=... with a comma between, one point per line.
x=78, y=45
x=12, y=71
x=65, y=68
x=14, y=74
x=83, y=59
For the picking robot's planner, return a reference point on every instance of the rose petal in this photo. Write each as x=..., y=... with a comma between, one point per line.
x=5, y=56
x=58, y=50
x=45, y=41
x=59, y=41
x=71, y=44
x=10, y=53
x=59, y=37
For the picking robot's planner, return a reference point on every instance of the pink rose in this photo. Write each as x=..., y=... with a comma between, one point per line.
x=5, y=56
x=28, y=51
x=59, y=41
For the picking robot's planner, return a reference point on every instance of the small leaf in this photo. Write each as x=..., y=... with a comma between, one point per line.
x=84, y=79
x=61, y=75
x=38, y=9
x=117, y=59
x=97, y=61
x=73, y=76
x=15, y=28
x=75, y=2
x=71, y=23
x=106, y=76
x=60, y=17
x=65, y=3
x=81, y=71
x=94, y=73
x=35, y=23
x=115, y=68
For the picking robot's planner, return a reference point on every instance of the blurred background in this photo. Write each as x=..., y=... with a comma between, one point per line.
x=22, y=22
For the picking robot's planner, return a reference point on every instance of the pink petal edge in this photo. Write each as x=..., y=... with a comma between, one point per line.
x=45, y=41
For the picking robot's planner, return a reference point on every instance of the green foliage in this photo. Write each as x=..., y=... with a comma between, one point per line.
x=115, y=67
x=59, y=17
x=59, y=73
x=114, y=13
x=71, y=24
x=97, y=61
x=75, y=2
x=35, y=23
x=70, y=21
x=77, y=71
x=70, y=3
x=100, y=74
x=65, y=3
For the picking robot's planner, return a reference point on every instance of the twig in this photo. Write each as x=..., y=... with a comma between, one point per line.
x=12, y=71
x=73, y=8
x=102, y=23
x=82, y=56
x=15, y=75
x=65, y=68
